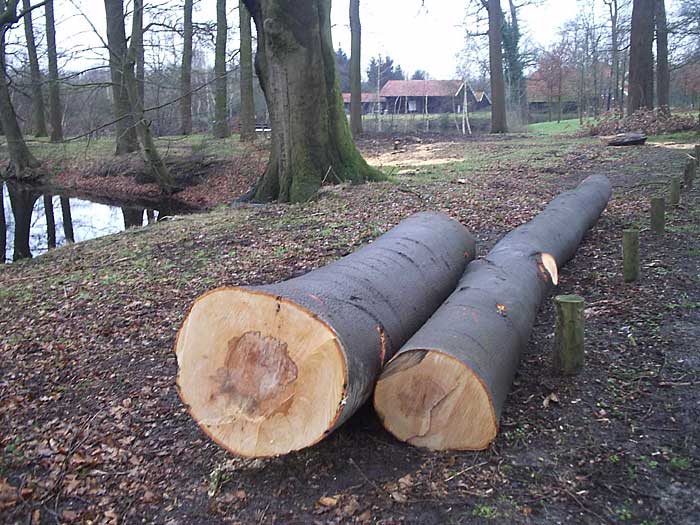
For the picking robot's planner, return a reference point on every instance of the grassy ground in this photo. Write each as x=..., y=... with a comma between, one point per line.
x=93, y=430
x=556, y=128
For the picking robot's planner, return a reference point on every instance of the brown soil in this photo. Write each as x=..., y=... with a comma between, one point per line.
x=93, y=430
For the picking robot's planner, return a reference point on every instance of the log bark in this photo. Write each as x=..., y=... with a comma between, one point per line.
x=446, y=387
x=270, y=369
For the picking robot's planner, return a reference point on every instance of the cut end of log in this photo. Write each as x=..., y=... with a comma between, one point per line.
x=432, y=400
x=550, y=266
x=261, y=375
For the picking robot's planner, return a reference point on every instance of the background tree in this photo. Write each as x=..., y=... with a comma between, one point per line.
x=419, y=74
x=380, y=71
x=186, y=72
x=342, y=68
x=514, y=63
x=221, y=127
x=55, y=113
x=355, y=69
x=641, y=64
x=247, y=113
x=311, y=140
x=498, y=88
x=663, y=75
x=38, y=110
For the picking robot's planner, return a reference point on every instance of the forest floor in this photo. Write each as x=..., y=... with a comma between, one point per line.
x=92, y=429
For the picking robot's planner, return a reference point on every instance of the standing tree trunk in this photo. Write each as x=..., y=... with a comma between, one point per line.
x=663, y=76
x=247, y=117
x=221, y=127
x=311, y=140
x=50, y=222
x=38, y=111
x=127, y=142
x=22, y=162
x=498, y=86
x=355, y=69
x=55, y=113
x=186, y=72
x=137, y=21
x=641, y=72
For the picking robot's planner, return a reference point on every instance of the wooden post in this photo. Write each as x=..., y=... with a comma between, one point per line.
x=689, y=173
x=674, y=195
x=658, y=215
x=630, y=255
x=568, y=334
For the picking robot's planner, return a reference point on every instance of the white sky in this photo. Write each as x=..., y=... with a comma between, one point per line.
x=417, y=37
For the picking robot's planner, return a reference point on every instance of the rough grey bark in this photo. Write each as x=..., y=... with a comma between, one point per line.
x=67, y=220
x=641, y=63
x=55, y=111
x=22, y=201
x=663, y=75
x=486, y=322
x=38, y=110
x=186, y=72
x=127, y=141
x=498, y=87
x=355, y=69
x=247, y=116
x=311, y=139
x=221, y=127
x=377, y=297
x=22, y=162
x=50, y=221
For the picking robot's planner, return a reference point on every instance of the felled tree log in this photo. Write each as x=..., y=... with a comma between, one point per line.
x=267, y=370
x=446, y=387
x=628, y=139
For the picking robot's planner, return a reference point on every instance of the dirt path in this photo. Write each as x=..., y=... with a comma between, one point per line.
x=92, y=429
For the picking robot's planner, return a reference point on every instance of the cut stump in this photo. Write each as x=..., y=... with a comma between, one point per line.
x=446, y=387
x=568, y=334
x=270, y=369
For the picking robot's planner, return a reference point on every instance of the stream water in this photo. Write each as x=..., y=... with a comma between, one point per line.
x=85, y=218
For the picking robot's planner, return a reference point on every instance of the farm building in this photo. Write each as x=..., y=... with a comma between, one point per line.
x=370, y=102
x=440, y=96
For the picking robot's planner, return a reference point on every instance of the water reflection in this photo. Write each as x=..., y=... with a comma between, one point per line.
x=33, y=223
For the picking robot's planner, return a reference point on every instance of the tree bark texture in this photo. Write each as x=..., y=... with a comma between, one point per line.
x=475, y=338
x=498, y=87
x=22, y=162
x=38, y=110
x=641, y=62
x=186, y=72
x=55, y=111
x=355, y=69
x=663, y=75
x=569, y=337
x=247, y=117
x=366, y=304
x=221, y=127
x=127, y=141
x=140, y=61
x=22, y=201
x=311, y=139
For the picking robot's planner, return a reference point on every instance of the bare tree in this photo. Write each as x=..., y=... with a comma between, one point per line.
x=55, y=112
x=663, y=75
x=221, y=127
x=498, y=87
x=355, y=69
x=247, y=114
x=186, y=72
x=641, y=65
x=38, y=111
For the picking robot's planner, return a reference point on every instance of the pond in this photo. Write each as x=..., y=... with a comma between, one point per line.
x=68, y=219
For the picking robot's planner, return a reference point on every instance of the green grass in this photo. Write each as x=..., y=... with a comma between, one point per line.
x=682, y=137
x=555, y=128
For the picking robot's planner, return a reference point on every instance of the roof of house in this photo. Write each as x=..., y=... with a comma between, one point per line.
x=482, y=96
x=422, y=88
x=366, y=97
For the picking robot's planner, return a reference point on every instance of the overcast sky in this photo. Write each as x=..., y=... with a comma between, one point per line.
x=416, y=36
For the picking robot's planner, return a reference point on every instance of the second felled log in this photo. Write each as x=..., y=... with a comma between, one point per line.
x=446, y=387
x=267, y=370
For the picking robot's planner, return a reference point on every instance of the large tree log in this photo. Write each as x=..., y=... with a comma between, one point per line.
x=267, y=370
x=446, y=387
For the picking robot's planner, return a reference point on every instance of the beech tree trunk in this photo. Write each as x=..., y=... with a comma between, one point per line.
x=355, y=69
x=127, y=141
x=641, y=63
x=663, y=75
x=270, y=369
x=186, y=72
x=311, y=139
x=498, y=86
x=446, y=387
x=55, y=112
x=38, y=111
x=22, y=162
x=247, y=117
x=221, y=127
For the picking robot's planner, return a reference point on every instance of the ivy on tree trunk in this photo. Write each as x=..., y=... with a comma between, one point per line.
x=311, y=140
